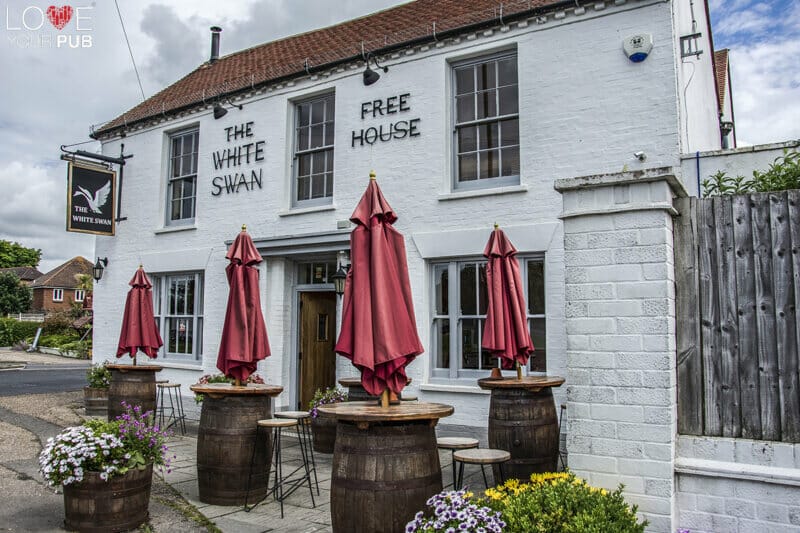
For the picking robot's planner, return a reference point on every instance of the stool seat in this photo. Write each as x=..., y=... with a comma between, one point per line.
x=296, y=415
x=167, y=385
x=277, y=423
x=456, y=443
x=408, y=398
x=482, y=456
x=162, y=381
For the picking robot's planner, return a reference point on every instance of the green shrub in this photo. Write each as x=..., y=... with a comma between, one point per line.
x=99, y=376
x=58, y=323
x=57, y=340
x=561, y=502
x=781, y=175
x=80, y=348
x=12, y=331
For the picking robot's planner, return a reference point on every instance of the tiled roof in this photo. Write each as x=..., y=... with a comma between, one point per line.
x=24, y=273
x=404, y=25
x=721, y=73
x=63, y=276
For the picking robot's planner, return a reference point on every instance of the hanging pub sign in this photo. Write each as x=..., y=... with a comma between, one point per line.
x=91, y=199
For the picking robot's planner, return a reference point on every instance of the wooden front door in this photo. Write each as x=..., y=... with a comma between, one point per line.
x=317, y=339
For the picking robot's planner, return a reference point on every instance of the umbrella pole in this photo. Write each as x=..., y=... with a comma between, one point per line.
x=519, y=371
x=134, y=360
x=237, y=382
x=385, y=398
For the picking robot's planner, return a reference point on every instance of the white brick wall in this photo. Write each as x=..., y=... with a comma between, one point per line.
x=620, y=350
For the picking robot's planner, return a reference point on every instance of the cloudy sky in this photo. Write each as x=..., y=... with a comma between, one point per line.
x=51, y=95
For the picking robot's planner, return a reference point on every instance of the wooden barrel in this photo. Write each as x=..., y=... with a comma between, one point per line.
x=135, y=386
x=225, y=443
x=95, y=401
x=119, y=504
x=323, y=429
x=382, y=475
x=524, y=423
x=356, y=391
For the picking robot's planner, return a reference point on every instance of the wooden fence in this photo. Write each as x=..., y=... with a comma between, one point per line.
x=737, y=269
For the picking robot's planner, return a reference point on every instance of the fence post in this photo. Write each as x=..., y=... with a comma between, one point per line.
x=620, y=309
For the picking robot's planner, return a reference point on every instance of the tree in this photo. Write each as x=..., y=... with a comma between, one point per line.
x=15, y=296
x=13, y=254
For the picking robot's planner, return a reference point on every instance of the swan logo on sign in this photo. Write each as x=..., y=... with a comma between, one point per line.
x=91, y=199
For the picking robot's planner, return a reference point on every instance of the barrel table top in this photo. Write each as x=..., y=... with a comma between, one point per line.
x=226, y=389
x=531, y=383
x=141, y=368
x=372, y=412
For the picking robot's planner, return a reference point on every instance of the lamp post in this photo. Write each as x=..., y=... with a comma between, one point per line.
x=338, y=280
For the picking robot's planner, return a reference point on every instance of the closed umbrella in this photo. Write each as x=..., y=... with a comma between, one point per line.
x=139, y=331
x=244, y=335
x=379, y=333
x=505, y=333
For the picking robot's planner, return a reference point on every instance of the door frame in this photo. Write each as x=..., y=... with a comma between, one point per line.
x=295, y=361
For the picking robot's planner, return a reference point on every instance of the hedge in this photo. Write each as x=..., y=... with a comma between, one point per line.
x=12, y=330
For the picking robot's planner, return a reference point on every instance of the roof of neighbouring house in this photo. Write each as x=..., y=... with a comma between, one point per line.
x=63, y=276
x=721, y=73
x=25, y=273
x=317, y=50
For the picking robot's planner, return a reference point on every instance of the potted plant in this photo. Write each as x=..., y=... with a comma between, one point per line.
x=105, y=469
x=222, y=378
x=451, y=509
x=95, y=394
x=323, y=428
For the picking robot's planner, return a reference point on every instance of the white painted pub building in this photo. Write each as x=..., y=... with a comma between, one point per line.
x=484, y=106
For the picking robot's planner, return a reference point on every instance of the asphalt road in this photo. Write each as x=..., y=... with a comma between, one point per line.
x=38, y=379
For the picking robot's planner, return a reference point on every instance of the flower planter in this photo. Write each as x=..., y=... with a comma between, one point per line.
x=95, y=401
x=119, y=504
x=323, y=429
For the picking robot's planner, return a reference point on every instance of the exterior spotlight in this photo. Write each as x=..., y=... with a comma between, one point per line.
x=219, y=111
x=370, y=76
x=98, y=268
x=340, y=276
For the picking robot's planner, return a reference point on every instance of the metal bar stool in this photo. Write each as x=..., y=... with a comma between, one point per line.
x=481, y=457
x=561, y=451
x=279, y=489
x=177, y=414
x=306, y=444
x=453, y=444
x=159, y=414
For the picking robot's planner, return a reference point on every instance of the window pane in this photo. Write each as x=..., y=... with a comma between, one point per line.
x=486, y=75
x=441, y=333
x=509, y=132
x=330, y=108
x=469, y=296
x=470, y=347
x=188, y=187
x=303, y=188
x=465, y=80
x=304, y=165
x=468, y=167
x=489, y=164
x=329, y=134
x=488, y=135
x=487, y=104
x=535, y=288
x=304, y=114
x=441, y=276
x=317, y=136
x=187, y=208
x=538, y=361
x=467, y=139
x=507, y=71
x=465, y=108
x=483, y=303
x=318, y=162
x=175, y=211
x=176, y=146
x=190, y=296
x=329, y=184
x=302, y=139
x=511, y=161
x=317, y=185
x=318, y=112
x=509, y=100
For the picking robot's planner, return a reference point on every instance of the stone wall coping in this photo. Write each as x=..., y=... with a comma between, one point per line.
x=668, y=174
x=744, y=149
x=738, y=471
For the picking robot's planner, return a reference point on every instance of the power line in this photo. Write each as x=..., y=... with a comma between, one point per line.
x=136, y=70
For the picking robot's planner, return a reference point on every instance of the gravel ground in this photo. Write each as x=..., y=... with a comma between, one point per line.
x=60, y=409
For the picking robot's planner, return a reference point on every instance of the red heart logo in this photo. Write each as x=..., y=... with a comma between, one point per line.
x=59, y=16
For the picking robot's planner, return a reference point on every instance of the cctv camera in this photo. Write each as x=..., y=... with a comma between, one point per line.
x=641, y=156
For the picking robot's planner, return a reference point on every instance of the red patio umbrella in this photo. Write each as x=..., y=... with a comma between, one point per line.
x=139, y=331
x=379, y=333
x=505, y=333
x=244, y=335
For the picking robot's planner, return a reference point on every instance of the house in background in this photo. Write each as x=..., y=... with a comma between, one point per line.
x=26, y=274
x=58, y=289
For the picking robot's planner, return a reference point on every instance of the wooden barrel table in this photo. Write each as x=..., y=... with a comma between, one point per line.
x=523, y=421
x=385, y=464
x=227, y=441
x=133, y=384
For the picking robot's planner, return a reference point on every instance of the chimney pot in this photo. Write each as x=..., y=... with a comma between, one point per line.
x=215, y=31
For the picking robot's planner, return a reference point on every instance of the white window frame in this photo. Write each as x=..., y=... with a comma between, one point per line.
x=80, y=295
x=172, y=180
x=455, y=370
x=483, y=183
x=327, y=149
x=162, y=283
x=58, y=295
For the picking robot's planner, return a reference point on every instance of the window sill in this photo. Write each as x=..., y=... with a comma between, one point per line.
x=464, y=389
x=510, y=189
x=304, y=210
x=179, y=366
x=173, y=229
